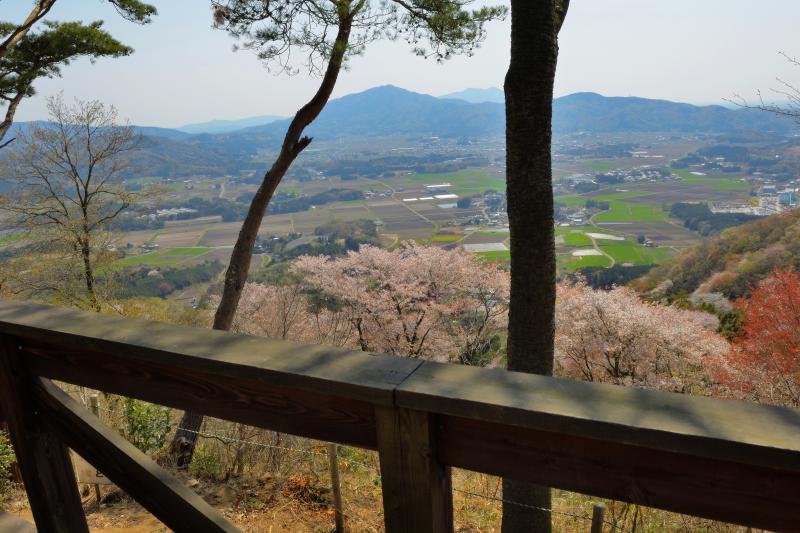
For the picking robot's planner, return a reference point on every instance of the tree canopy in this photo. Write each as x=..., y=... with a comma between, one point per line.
x=28, y=53
x=277, y=29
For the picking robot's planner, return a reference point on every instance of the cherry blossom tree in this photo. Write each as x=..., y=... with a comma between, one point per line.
x=615, y=337
x=763, y=363
x=417, y=301
x=285, y=312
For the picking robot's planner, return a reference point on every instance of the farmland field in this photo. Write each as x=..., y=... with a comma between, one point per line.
x=503, y=256
x=464, y=183
x=629, y=252
x=170, y=256
x=620, y=211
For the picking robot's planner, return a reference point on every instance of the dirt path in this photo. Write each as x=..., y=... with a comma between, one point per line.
x=597, y=247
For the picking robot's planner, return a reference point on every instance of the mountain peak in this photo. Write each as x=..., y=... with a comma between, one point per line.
x=478, y=96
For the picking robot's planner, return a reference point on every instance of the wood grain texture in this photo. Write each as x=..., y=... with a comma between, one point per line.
x=249, y=401
x=417, y=491
x=42, y=458
x=153, y=487
x=312, y=368
x=700, y=486
x=737, y=431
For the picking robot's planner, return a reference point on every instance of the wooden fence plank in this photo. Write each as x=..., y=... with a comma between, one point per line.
x=700, y=486
x=153, y=487
x=737, y=431
x=311, y=368
x=246, y=400
x=42, y=458
x=417, y=492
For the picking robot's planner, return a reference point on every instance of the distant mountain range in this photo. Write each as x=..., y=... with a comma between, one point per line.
x=392, y=111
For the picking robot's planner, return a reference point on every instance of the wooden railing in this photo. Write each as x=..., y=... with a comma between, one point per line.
x=726, y=460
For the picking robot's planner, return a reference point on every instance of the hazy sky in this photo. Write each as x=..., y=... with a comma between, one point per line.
x=183, y=71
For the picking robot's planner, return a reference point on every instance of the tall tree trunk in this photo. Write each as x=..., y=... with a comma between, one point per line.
x=185, y=439
x=531, y=322
x=88, y=274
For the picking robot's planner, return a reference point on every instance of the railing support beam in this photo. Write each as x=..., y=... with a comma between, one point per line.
x=42, y=458
x=417, y=492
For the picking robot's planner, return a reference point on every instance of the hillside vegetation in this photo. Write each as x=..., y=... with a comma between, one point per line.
x=732, y=262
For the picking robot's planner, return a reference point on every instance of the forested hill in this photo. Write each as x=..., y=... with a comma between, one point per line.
x=733, y=261
x=595, y=113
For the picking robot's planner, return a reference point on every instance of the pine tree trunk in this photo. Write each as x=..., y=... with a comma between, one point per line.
x=185, y=439
x=531, y=327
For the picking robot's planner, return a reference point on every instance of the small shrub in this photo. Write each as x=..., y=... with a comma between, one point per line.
x=7, y=459
x=205, y=463
x=147, y=425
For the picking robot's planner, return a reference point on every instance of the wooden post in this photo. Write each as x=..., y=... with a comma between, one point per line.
x=417, y=492
x=336, y=486
x=42, y=458
x=95, y=408
x=598, y=517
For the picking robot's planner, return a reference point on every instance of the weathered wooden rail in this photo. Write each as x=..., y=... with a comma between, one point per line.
x=726, y=460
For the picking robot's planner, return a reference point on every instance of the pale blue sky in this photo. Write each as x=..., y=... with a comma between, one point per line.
x=698, y=51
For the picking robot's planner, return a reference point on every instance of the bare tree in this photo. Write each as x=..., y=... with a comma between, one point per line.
x=786, y=91
x=327, y=34
x=66, y=177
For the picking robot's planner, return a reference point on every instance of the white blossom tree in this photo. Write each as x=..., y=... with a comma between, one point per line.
x=615, y=337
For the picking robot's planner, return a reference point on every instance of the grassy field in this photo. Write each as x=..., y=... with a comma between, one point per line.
x=170, y=256
x=571, y=201
x=446, y=238
x=571, y=263
x=604, y=166
x=619, y=195
x=713, y=183
x=631, y=252
x=464, y=183
x=620, y=211
x=504, y=256
x=576, y=239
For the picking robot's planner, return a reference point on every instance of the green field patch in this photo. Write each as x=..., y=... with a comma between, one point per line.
x=562, y=230
x=170, y=256
x=713, y=183
x=571, y=263
x=446, y=238
x=620, y=195
x=190, y=251
x=576, y=239
x=633, y=253
x=9, y=238
x=152, y=258
x=620, y=211
x=570, y=201
x=603, y=166
x=503, y=256
x=464, y=183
